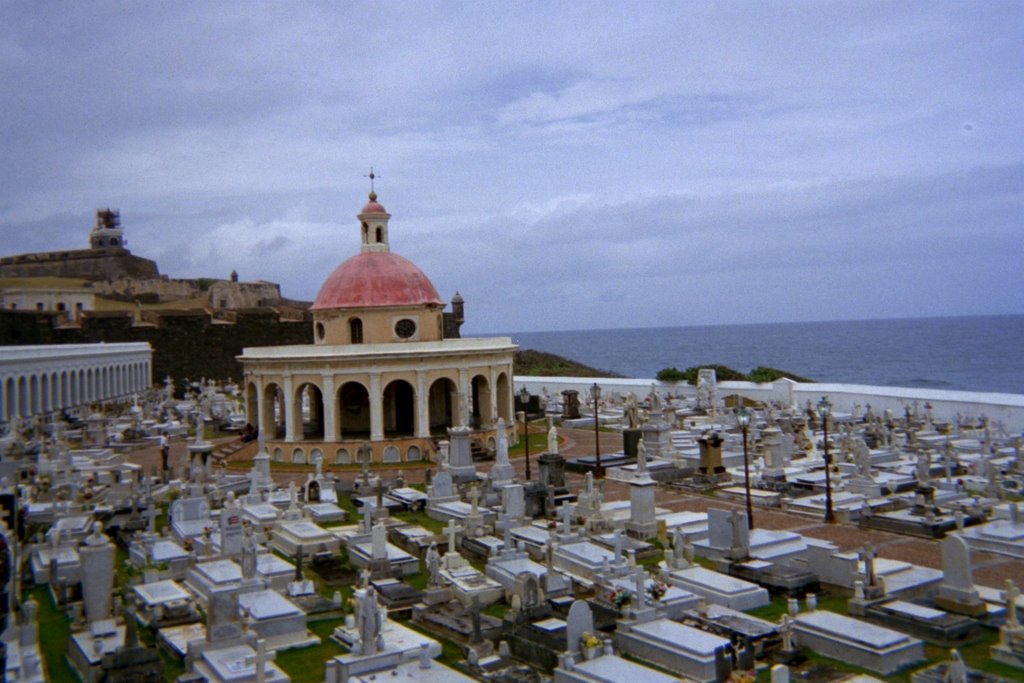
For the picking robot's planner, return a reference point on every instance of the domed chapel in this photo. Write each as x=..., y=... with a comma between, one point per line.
x=386, y=369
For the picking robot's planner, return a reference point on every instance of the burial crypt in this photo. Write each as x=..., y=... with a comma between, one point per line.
x=387, y=373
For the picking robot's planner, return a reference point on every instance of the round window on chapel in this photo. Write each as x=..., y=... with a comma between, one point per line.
x=320, y=331
x=405, y=328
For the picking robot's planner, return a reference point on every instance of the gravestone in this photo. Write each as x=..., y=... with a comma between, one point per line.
x=513, y=500
x=442, y=488
x=231, y=528
x=728, y=533
x=222, y=620
x=579, y=621
x=956, y=593
x=570, y=404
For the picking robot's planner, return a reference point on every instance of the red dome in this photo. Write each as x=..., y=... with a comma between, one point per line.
x=373, y=207
x=376, y=278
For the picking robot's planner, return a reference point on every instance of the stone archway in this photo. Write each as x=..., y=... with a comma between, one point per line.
x=480, y=415
x=272, y=421
x=309, y=407
x=399, y=403
x=441, y=406
x=353, y=411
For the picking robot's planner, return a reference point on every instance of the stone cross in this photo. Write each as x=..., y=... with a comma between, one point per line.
x=452, y=531
x=566, y=519
x=1010, y=595
x=367, y=513
x=639, y=579
x=786, y=631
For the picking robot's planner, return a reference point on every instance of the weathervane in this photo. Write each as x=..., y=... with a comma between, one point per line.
x=372, y=176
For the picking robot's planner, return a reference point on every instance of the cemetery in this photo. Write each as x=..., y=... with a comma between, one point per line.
x=230, y=568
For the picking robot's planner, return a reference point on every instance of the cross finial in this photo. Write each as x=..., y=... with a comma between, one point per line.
x=372, y=176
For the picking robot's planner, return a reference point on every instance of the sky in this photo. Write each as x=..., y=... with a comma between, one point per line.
x=567, y=165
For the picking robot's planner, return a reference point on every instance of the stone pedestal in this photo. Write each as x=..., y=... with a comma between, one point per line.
x=642, y=523
x=657, y=438
x=552, y=470
x=461, y=455
x=711, y=455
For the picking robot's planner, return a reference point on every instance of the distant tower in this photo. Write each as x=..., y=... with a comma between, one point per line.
x=453, y=321
x=107, y=232
x=458, y=308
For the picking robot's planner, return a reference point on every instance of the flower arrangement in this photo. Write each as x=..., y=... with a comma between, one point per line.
x=657, y=590
x=743, y=677
x=589, y=640
x=619, y=597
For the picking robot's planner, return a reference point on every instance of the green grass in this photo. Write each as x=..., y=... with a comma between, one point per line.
x=54, y=632
x=306, y=665
x=420, y=518
x=538, y=444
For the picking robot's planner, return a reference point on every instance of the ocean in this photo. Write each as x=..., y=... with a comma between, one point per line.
x=978, y=353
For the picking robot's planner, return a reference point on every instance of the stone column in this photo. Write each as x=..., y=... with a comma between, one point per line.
x=97, y=558
x=493, y=379
x=330, y=409
x=465, y=394
x=292, y=415
x=376, y=408
x=422, y=406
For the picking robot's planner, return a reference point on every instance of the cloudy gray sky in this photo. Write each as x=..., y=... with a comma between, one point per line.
x=564, y=165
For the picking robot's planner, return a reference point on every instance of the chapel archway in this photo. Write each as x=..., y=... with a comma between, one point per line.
x=353, y=411
x=399, y=409
x=441, y=406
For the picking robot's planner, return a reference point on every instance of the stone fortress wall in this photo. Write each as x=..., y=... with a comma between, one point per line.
x=186, y=343
x=218, y=293
x=88, y=264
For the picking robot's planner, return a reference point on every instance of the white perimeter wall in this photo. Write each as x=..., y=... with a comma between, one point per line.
x=1005, y=409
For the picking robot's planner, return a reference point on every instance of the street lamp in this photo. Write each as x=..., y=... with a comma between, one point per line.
x=824, y=409
x=595, y=393
x=524, y=399
x=743, y=417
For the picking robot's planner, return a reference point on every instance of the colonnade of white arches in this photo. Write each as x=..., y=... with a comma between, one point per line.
x=42, y=380
x=337, y=408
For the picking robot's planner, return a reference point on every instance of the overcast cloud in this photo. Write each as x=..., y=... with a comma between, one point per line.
x=563, y=165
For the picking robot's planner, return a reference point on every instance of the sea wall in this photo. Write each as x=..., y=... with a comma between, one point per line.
x=1002, y=409
x=190, y=343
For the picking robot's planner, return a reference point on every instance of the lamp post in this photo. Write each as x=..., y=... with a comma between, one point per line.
x=524, y=399
x=595, y=393
x=743, y=417
x=824, y=409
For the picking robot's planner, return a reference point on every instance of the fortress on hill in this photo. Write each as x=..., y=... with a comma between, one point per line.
x=113, y=272
x=107, y=257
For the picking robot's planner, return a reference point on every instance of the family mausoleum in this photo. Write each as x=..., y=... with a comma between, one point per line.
x=387, y=368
